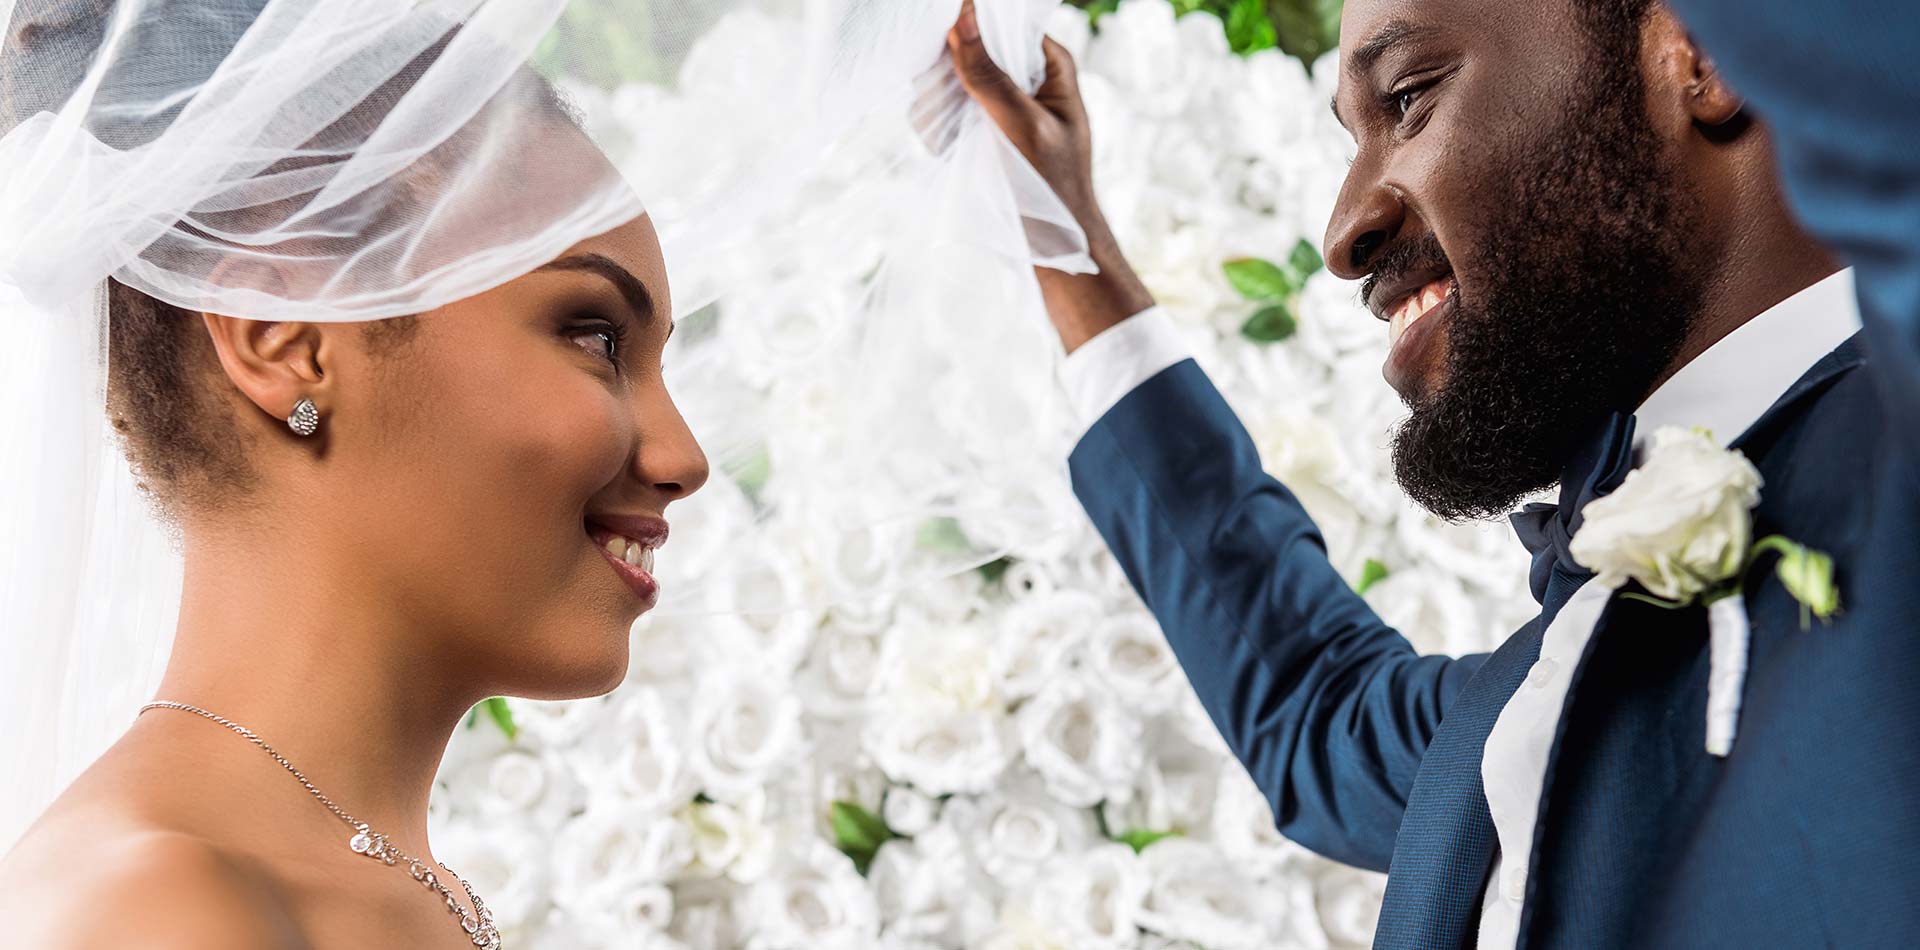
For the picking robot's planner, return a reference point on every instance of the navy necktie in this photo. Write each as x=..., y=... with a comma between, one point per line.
x=1547, y=529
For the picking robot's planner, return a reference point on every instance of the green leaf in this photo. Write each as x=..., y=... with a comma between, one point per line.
x=1305, y=260
x=1273, y=323
x=1258, y=279
x=1373, y=572
x=1139, y=838
x=858, y=833
x=942, y=535
x=1248, y=28
x=1306, y=28
x=995, y=569
x=754, y=472
x=502, y=716
x=1097, y=9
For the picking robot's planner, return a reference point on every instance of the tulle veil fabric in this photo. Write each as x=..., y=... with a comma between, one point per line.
x=849, y=212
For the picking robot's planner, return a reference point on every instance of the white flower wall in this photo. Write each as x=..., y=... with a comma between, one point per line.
x=1023, y=750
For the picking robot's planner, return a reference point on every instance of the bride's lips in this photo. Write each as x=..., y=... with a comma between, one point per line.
x=628, y=543
x=1413, y=327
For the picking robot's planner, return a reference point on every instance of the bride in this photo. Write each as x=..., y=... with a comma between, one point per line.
x=384, y=333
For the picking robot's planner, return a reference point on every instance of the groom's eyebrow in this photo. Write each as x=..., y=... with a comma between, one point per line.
x=622, y=279
x=1361, y=62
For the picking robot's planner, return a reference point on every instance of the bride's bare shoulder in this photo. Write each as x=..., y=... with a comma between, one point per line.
x=71, y=886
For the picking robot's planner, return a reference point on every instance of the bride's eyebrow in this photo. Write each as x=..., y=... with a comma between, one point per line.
x=622, y=279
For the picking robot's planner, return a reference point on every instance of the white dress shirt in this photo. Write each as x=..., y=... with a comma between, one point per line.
x=1725, y=390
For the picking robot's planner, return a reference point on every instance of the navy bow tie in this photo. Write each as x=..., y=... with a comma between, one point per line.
x=1546, y=530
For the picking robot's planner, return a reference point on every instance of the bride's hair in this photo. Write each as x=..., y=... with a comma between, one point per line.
x=163, y=380
x=186, y=448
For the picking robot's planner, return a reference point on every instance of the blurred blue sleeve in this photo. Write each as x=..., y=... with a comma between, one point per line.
x=1838, y=84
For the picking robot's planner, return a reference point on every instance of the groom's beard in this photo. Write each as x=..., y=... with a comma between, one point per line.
x=1581, y=301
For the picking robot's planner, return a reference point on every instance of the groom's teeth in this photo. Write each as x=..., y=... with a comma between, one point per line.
x=634, y=554
x=617, y=546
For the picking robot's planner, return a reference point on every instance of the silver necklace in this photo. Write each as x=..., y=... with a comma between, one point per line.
x=477, y=925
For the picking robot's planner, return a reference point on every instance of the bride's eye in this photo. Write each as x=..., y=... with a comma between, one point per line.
x=600, y=338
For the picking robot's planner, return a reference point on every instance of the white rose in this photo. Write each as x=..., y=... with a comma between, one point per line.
x=706, y=913
x=1194, y=894
x=942, y=753
x=1096, y=897
x=908, y=811
x=1244, y=828
x=1130, y=654
x=1019, y=829
x=1035, y=636
x=944, y=728
x=727, y=840
x=814, y=899
x=507, y=867
x=1679, y=524
x=602, y=852
x=638, y=760
x=1349, y=902
x=1083, y=743
x=1431, y=611
x=929, y=890
x=743, y=730
x=841, y=671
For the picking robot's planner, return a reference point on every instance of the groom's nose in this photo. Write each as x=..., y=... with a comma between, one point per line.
x=1368, y=216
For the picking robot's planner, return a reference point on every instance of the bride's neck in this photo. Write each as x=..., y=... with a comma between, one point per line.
x=333, y=679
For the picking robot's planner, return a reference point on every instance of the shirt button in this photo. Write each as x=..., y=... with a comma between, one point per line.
x=1517, y=885
x=1542, y=673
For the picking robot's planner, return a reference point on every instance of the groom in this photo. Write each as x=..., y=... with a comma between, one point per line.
x=1571, y=230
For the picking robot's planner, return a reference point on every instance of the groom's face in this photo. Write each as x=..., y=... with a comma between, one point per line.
x=1519, y=224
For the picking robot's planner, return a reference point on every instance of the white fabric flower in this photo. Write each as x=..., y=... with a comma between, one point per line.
x=1679, y=524
x=743, y=730
x=945, y=728
x=1349, y=901
x=1084, y=744
x=907, y=811
x=813, y=899
x=729, y=840
x=1096, y=897
x=1193, y=894
x=1129, y=653
x=1035, y=637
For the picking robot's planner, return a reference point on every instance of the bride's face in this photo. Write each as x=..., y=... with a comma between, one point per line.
x=507, y=470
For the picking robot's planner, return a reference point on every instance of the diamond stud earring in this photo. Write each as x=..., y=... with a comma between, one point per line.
x=305, y=419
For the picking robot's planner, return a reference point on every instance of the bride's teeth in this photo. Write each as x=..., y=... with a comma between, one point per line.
x=616, y=546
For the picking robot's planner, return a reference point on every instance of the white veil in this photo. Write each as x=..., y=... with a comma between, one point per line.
x=337, y=160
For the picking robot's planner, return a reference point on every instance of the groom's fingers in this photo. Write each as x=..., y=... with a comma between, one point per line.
x=996, y=92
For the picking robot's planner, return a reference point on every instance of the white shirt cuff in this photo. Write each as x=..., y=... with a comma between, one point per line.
x=1117, y=360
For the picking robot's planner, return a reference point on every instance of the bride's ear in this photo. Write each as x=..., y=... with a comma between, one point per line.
x=273, y=363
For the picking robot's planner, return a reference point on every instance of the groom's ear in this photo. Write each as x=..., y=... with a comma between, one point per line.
x=1683, y=83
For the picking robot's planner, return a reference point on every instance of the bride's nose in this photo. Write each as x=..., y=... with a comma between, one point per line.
x=668, y=457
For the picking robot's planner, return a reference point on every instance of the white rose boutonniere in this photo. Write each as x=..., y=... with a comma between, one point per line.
x=1681, y=526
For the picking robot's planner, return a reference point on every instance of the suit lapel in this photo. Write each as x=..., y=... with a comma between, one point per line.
x=1446, y=843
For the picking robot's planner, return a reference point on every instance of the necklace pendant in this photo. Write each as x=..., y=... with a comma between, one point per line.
x=366, y=841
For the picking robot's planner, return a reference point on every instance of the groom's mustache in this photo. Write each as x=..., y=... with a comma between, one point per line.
x=1401, y=268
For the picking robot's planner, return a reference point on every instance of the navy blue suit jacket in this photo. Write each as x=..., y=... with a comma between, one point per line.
x=1807, y=835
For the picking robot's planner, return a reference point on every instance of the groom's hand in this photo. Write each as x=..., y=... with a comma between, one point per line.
x=1050, y=129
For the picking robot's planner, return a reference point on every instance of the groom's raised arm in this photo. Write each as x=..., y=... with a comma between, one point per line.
x=1329, y=708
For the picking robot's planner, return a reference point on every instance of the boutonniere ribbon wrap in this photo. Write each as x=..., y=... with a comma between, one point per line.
x=1680, y=529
